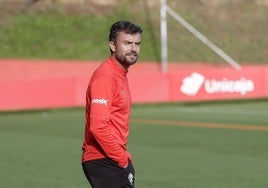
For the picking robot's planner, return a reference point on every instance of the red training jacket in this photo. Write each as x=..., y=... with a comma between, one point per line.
x=108, y=103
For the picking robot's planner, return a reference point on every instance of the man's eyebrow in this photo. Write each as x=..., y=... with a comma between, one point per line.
x=128, y=41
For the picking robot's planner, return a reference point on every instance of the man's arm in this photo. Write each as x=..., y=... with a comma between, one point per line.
x=100, y=113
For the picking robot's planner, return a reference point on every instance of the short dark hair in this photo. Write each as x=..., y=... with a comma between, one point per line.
x=125, y=26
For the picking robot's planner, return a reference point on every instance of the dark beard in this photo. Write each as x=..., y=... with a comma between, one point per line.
x=124, y=61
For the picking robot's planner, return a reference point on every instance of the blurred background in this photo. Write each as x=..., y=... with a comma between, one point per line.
x=77, y=29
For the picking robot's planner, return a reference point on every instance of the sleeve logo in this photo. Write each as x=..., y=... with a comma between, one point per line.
x=100, y=101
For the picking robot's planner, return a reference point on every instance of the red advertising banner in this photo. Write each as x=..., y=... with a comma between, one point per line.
x=45, y=84
x=31, y=94
x=218, y=83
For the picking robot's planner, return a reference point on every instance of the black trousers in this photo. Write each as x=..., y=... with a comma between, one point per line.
x=105, y=173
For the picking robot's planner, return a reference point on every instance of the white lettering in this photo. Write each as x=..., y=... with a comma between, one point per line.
x=100, y=101
x=242, y=86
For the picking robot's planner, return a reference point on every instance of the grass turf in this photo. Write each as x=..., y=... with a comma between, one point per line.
x=43, y=148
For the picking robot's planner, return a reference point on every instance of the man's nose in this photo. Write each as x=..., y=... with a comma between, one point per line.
x=134, y=47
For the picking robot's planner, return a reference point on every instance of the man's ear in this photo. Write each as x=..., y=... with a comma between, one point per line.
x=112, y=46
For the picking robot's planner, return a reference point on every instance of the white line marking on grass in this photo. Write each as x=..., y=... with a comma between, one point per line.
x=201, y=124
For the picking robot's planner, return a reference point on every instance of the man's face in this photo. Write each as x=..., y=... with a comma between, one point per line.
x=126, y=48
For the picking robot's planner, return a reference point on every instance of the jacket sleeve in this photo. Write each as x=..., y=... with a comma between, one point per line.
x=102, y=93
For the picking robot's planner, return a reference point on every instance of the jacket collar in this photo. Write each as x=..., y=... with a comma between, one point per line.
x=119, y=68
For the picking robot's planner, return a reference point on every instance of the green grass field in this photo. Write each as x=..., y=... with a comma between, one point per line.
x=197, y=145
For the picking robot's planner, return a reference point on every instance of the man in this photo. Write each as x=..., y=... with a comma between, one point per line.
x=105, y=159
